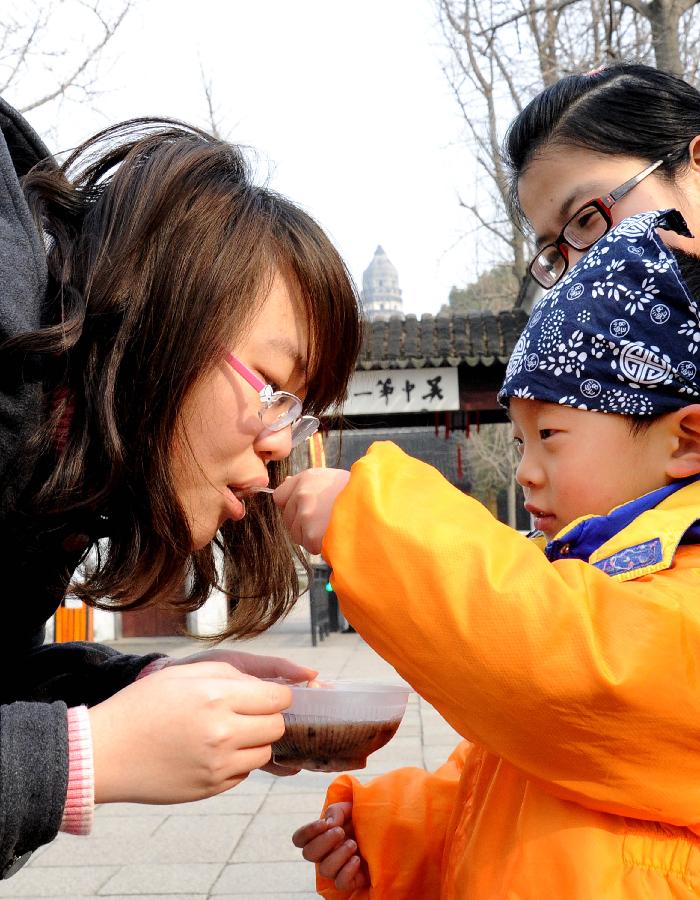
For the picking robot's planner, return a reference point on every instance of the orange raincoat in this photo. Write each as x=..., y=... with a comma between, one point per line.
x=579, y=693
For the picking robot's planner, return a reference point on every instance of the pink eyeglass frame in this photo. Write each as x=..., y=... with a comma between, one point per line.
x=249, y=376
x=302, y=426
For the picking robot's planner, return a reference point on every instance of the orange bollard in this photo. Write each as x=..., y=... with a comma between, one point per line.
x=73, y=622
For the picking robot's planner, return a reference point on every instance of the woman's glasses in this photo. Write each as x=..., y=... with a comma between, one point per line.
x=585, y=228
x=278, y=408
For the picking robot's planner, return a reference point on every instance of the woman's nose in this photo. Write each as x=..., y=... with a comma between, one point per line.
x=575, y=256
x=274, y=445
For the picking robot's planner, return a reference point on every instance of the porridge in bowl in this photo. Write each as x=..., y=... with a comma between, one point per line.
x=335, y=725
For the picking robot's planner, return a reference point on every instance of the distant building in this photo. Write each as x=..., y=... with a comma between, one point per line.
x=381, y=294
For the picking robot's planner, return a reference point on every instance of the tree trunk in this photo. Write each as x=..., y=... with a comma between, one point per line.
x=504, y=51
x=664, y=19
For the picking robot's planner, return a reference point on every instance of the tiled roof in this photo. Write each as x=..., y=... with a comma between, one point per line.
x=447, y=339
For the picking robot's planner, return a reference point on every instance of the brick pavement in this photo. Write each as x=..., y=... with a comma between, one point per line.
x=236, y=845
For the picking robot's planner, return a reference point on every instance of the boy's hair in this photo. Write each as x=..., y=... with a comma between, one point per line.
x=160, y=249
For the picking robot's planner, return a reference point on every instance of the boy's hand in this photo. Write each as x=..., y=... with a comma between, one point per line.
x=306, y=501
x=330, y=843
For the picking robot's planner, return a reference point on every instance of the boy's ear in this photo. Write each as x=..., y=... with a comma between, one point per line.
x=685, y=458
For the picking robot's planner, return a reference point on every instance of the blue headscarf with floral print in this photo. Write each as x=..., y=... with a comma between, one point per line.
x=619, y=334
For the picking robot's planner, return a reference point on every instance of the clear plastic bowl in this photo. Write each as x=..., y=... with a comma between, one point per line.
x=335, y=726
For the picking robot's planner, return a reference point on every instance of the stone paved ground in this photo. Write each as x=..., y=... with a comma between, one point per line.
x=236, y=845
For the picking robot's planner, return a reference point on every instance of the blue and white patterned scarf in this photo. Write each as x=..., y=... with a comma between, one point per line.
x=619, y=334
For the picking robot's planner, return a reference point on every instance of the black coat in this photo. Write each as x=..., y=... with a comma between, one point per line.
x=38, y=681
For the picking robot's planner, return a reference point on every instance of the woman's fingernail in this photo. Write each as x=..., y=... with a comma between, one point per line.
x=351, y=845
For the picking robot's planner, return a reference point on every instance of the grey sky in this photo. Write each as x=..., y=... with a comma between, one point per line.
x=345, y=103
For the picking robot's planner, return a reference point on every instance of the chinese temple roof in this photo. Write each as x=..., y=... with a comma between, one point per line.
x=448, y=339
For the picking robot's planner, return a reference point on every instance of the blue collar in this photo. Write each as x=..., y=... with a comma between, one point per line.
x=587, y=535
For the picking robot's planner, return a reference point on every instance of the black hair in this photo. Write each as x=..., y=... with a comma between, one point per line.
x=689, y=266
x=620, y=110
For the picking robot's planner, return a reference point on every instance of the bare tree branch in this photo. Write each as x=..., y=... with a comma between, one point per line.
x=24, y=51
x=211, y=114
x=486, y=224
x=637, y=5
x=71, y=80
x=562, y=4
x=664, y=20
x=26, y=45
x=502, y=52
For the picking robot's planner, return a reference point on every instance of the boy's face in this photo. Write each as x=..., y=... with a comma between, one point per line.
x=576, y=463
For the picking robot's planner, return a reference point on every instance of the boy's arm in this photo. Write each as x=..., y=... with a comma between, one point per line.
x=589, y=686
x=401, y=821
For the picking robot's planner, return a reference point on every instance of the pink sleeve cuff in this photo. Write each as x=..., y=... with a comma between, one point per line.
x=154, y=666
x=80, y=798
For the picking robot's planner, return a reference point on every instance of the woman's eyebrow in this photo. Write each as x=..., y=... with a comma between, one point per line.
x=569, y=205
x=590, y=191
x=290, y=349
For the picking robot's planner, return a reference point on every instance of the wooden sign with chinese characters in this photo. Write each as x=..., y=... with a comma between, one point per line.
x=383, y=391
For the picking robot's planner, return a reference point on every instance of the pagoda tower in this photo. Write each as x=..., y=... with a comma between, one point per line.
x=381, y=294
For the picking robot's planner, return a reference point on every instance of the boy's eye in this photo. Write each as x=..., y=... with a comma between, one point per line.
x=546, y=433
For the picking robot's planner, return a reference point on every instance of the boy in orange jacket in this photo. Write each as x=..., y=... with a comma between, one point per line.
x=574, y=675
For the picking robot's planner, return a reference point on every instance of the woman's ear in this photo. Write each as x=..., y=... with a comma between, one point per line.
x=694, y=153
x=684, y=461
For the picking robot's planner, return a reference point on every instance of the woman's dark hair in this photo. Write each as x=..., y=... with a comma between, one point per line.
x=160, y=250
x=621, y=109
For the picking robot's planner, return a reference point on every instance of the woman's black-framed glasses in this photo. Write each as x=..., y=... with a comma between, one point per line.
x=586, y=227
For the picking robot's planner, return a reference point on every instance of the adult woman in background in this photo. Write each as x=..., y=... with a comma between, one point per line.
x=162, y=322
x=592, y=149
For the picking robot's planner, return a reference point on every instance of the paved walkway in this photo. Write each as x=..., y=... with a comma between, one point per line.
x=236, y=845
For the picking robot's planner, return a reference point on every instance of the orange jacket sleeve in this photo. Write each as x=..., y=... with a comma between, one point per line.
x=401, y=821
x=590, y=686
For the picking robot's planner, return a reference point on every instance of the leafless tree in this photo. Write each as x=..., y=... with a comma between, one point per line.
x=212, y=114
x=492, y=460
x=664, y=18
x=43, y=60
x=502, y=52
x=498, y=59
